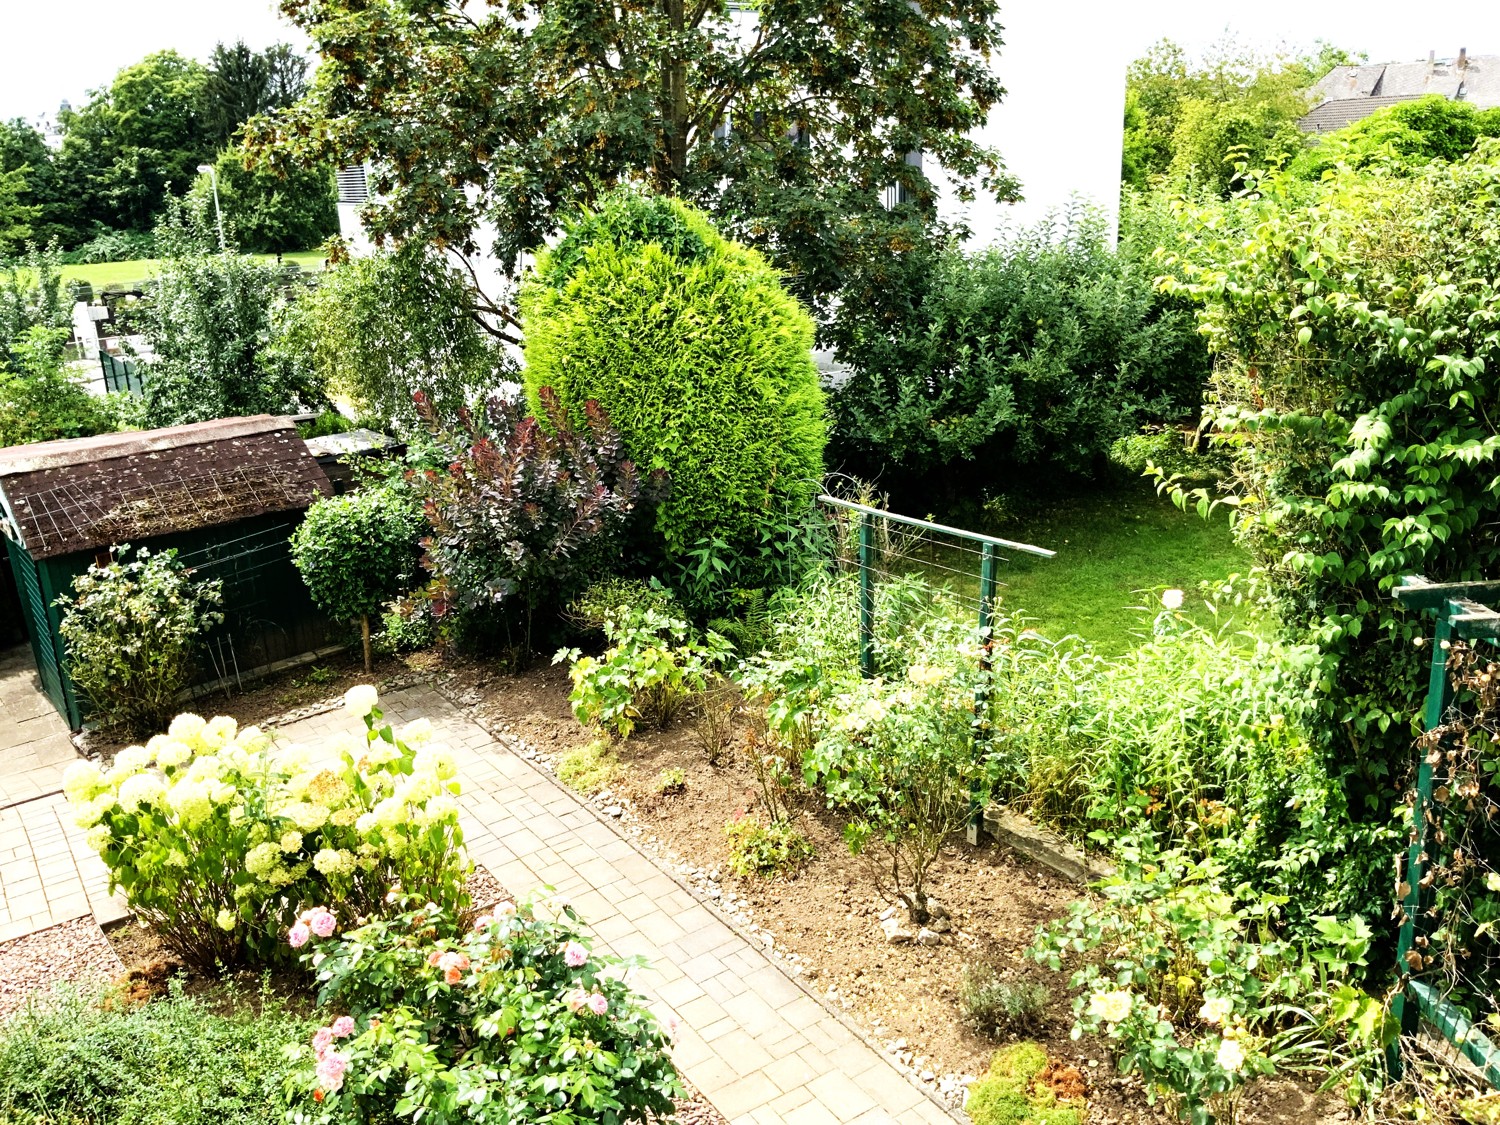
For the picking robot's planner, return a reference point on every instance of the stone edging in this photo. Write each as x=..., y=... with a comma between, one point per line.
x=757, y=938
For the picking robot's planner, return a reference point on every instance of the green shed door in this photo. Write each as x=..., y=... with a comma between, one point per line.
x=38, y=623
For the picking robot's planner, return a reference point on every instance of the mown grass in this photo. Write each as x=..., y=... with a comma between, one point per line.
x=1119, y=546
x=102, y=274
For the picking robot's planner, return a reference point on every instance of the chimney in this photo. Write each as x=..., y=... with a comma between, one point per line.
x=1463, y=58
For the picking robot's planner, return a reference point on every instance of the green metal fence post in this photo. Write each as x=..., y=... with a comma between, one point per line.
x=988, y=561
x=1403, y=1009
x=867, y=594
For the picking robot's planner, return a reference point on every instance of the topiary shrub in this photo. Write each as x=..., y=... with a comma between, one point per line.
x=698, y=354
x=358, y=552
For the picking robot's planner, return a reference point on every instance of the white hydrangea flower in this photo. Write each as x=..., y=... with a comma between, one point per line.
x=170, y=753
x=416, y=732
x=263, y=859
x=226, y=919
x=360, y=700
x=365, y=824
x=81, y=781
x=290, y=842
x=1172, y=599
x=92, y=812
x=390, y=812
x=436, y=760
x=206, y=768
x=190, y=800
x=131, y=760
x=333, y=862
x=306, y=816
x=221, y=729
x=187, y=727
x=140, y=789
x=98, y=837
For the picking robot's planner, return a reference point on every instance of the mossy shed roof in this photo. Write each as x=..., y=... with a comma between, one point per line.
x=61, y=497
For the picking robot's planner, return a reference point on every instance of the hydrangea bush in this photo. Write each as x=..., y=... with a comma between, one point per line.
x=513, y=1019
x=219, y=836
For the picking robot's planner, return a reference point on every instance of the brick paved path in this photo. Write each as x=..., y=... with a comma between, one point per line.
x=34, y=742
x=755, y=1044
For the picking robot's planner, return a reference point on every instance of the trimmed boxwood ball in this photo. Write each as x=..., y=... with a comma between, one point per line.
x=697, y=353
x=358, y=552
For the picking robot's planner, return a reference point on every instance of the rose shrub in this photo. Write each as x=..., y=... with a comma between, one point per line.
x=511, y=1020
x=219, y=836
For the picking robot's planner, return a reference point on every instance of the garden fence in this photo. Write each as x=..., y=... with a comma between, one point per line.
x=883, y=546
x=1462, y=613
x=121, y=376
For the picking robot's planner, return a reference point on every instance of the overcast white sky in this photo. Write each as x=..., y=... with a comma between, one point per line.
x=51, y=50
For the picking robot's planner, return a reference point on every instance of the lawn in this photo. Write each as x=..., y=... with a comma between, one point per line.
x=138, y=269
x=1118, y=547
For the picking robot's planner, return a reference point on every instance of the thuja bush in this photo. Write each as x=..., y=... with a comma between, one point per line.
x=219, y=836
x=698, y=354
x=132, y=626
x=525, y=509
x=514, y=1019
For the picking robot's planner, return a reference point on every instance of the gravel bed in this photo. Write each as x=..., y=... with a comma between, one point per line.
x=76, y=952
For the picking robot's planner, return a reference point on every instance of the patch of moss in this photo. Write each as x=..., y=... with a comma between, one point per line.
x=1004, y=1095
x=588, y=768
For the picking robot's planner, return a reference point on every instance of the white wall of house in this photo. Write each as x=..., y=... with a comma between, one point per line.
x=1059, y=126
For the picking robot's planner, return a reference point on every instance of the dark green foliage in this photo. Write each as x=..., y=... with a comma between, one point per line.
x=39, y=401
x=176, y=1061
x=702, y=363
x=243, y=83
x=1033, y=357
x=358, y=552
x=208, y=322
x=515, y=115
x=24, y=150
x=113, y=246
x=271, y=212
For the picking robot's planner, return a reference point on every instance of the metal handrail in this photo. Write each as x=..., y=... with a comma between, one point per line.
x=928, y=525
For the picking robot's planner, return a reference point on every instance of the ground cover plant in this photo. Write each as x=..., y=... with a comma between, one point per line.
x=220, y=837
x=75, y=1058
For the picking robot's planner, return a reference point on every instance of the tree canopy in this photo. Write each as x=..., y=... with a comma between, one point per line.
x=785, y=124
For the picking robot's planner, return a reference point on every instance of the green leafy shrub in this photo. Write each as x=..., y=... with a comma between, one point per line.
x=670, y=782
x=651, y=670
x=408, y=626
x=1005, y=1094
x=768, y=849
x=132, y=627
x=1033, y=357
x=273, y=209
x=1400, y=137
x=1350, y=386
x=219, y=836
x=904, y=758
x=112, y=246
x=522, y=514
x=512, y=1019
x=588, y=768
x=382, y=325
x=591, y=609
x=359, y=551
x=992, y=1005
x=39, y=400
x=208, y=322
x=31, y=296
x=696, y=352
x=70, y=1059
x=1200, y=994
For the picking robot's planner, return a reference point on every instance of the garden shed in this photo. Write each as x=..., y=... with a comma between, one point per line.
x=225, y=494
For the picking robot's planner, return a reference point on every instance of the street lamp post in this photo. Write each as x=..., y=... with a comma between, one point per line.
x=213, y=177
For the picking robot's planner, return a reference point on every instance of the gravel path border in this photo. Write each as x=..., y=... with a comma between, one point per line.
x=75, y=952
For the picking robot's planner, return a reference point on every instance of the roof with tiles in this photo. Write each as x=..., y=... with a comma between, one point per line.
x=60, y=497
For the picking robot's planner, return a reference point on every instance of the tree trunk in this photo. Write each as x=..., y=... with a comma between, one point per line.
x=672, y=164
x=364, y=630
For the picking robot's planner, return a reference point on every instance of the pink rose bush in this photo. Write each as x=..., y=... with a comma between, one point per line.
x=434, y=1005
x=219, y=835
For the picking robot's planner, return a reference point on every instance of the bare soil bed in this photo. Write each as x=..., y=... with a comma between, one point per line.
x=825, y=918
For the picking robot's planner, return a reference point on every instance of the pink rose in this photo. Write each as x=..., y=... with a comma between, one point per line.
x=574, y=954
x=331, y=1068
x=598, y=1004
x=343, y=1027
x=322, y=1039
x=482, y=922
x=297, y=936
x=672, y=1026
x=323, y=923
x=577, y=1000
x=453, y=966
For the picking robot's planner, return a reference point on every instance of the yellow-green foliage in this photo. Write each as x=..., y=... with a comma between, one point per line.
x=695, y=350
x=1004, y=1096
x=588, y=768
